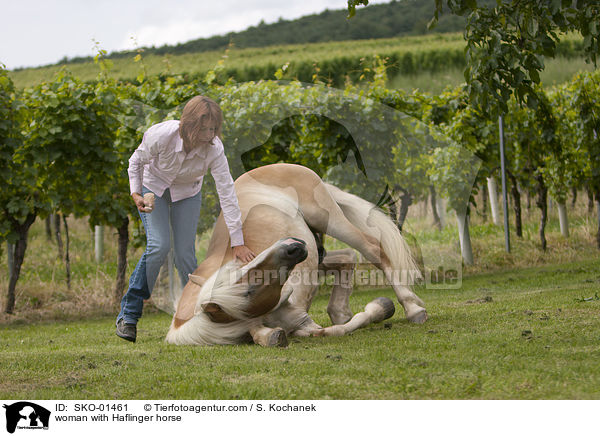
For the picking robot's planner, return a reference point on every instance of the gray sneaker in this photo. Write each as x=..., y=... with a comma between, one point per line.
x=126, y=331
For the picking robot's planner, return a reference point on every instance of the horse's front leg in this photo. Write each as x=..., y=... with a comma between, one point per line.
x=268, y=337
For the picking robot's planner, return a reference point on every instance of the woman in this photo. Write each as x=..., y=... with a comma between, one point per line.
x=171, y=162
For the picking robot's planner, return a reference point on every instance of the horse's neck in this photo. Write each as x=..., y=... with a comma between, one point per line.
x=212, y=263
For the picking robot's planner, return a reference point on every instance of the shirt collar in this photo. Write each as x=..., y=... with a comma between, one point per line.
x=179, y=144
x=198, y=151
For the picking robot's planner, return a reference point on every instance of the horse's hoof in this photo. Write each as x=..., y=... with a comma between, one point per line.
x=418, y=317
x=278, y=339
x=387, y=307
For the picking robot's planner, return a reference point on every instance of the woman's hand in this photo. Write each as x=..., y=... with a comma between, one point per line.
x=243, y=253
x=139, y=202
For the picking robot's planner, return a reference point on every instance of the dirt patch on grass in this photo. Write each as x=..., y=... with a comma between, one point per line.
x=14, y=387
x=482, y=300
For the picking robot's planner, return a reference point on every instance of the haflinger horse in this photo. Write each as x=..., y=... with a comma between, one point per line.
x=285, y=208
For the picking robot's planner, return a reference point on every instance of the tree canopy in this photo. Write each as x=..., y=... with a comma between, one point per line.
x=508, y=40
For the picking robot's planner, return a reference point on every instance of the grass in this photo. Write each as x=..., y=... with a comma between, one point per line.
x=523, y=325
x=525, y=334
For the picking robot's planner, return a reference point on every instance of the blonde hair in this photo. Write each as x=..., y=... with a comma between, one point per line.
x=196, y=113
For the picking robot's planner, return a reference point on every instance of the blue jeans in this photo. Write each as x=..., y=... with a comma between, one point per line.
x=180, y=216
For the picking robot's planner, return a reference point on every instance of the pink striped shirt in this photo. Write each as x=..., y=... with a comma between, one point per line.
x=160, y=162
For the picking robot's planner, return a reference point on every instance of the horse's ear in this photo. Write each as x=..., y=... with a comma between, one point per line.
x=197, y=280
x=211, y=308
x=216, y=313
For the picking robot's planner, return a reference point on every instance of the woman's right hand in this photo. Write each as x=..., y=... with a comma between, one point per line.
x=139, y=201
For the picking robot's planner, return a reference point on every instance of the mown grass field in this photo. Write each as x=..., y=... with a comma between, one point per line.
x=526, y=334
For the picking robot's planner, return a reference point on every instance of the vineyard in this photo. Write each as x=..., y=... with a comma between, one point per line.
x=337, y=62
x=65, y=145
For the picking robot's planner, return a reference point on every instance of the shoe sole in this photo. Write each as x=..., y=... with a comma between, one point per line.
x=127, y=338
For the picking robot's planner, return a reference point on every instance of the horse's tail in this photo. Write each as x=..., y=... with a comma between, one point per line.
x=371, y=220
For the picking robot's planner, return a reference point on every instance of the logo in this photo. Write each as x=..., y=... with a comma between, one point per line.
x=25, y=415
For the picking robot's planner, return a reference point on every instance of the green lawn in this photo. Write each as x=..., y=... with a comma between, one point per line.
x=530, y=333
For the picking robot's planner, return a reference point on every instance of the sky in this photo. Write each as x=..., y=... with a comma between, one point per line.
x=41, y=32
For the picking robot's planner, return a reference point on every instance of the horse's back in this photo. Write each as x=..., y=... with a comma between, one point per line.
x=281, y=175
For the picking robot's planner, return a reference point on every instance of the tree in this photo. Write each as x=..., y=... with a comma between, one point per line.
x=20, y=200
x=539, y=155
x=107, y=198
x=564, y=168
x=506, y=44
x=70, y=137
x=407, y=179
x=352, y=4
x=507, y=41
x=453, y=171
x=584, y=95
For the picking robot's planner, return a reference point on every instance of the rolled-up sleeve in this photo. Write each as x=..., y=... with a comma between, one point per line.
x=145, y=152
x=228, y=198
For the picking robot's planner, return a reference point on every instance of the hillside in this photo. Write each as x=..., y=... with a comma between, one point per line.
x=413, y=57
x=334, y=59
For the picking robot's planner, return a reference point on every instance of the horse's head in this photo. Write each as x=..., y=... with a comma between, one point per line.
x=237, y=291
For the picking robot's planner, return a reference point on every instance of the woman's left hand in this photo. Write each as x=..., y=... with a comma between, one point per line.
x=243, y=253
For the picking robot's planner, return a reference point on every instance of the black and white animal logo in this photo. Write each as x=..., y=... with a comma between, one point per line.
x=26, y=415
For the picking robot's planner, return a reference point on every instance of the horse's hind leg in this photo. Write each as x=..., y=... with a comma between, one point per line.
x=324, y=214
x=414, y=308
x=340, y=264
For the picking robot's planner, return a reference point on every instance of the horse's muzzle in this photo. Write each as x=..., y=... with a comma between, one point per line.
x=293, y=251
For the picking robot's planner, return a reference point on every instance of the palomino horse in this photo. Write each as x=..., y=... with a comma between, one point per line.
x=283, y=207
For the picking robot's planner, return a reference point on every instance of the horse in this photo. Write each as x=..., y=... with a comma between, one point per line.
x=285, y=208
